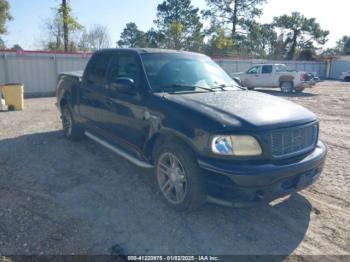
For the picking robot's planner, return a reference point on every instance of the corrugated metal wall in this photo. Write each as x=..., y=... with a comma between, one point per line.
x=338, y=67
x=38, y=70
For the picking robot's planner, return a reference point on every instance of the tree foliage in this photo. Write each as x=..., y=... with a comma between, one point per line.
x=233, y=15
x=54, y=30
x=261, y=39
x=220, y=44
x=132, y=37
x=5, y=15
x=343, y=46
x=17, y=47
x=179, y=23
x=97, y=37
x=300, y=32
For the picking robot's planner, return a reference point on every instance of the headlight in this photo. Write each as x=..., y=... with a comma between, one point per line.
x=236, y=145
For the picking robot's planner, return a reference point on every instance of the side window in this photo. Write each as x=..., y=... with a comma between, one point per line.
x=254, y=70
x=267, y=69
x=124, y=65
x=281, y=68
x=98, y=69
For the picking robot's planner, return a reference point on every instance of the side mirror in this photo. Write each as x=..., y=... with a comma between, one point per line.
x=238, y=80
x=124, y=85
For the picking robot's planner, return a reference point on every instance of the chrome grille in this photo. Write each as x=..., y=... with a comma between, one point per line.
x=293, y=141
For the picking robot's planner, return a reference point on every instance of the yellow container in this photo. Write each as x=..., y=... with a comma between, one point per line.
x=13, y=95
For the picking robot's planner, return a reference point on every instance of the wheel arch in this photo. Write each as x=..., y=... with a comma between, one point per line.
x=286, y=78
x=163, y=136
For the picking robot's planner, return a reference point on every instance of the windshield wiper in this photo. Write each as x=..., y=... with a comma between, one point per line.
x=186, y=86
x=223, y=86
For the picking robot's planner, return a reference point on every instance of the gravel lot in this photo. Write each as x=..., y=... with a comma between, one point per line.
x=62, y=197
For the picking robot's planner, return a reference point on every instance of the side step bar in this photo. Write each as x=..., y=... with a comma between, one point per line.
x=118, y=151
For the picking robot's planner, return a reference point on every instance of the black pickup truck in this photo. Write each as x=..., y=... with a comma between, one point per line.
x=205, y=137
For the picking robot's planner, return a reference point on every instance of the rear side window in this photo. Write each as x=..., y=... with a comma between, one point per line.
x=98, y=68
x=124, y=65
x=267, y=69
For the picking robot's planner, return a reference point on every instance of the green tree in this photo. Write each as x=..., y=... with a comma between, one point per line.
x=17, y=47
x=5, y=16
x=343, y=46
x=301, y=32
x=261, y=40
x=220, y=44
x=132, y=37
x=179, y=23
x=55, y=30
x=2, y=44
x=68, y=23
x=232, y=14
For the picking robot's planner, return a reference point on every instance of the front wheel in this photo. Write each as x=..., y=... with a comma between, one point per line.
x=178, y=177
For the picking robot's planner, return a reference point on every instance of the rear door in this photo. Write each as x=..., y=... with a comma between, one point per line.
x=266, y=78
x=92, y=93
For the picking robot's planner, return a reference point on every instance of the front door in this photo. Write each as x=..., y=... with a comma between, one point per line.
x=125, y=112
x=253, y=77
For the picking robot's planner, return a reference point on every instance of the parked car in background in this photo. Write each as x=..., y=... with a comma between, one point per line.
x=345, y=76
x=205, y=137
x=274, y=75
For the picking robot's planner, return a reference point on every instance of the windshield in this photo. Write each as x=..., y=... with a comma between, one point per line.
x=180, y=72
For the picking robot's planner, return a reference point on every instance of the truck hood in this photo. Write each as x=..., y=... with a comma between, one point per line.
x=245, y=110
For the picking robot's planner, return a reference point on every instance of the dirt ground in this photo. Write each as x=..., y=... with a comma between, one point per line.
x=62, y=197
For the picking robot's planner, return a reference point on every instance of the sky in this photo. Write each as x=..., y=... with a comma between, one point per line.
x=29, y=16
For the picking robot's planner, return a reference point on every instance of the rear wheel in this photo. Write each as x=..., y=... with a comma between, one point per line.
x=287, y=87
x=299, y=90
x=71, y=129
x=178, y=177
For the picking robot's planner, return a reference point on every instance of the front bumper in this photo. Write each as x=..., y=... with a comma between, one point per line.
x=246, y=185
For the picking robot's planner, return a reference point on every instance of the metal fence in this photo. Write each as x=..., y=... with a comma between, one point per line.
x=338, y=67
x=38, y=70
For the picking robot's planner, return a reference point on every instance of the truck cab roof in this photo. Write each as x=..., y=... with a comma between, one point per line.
x=148, y=50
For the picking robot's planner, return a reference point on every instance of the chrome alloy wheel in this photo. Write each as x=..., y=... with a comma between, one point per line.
x=171, y=178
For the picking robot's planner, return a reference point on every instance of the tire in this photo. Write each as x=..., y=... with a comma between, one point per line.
x=347, y=79
x=71, y=129
x=177, y=177
x=299, y=90
x=287, y=87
